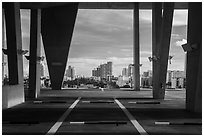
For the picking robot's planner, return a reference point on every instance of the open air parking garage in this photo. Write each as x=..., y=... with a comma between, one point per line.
x=133, y=111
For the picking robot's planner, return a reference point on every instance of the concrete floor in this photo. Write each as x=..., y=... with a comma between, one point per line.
x=38, y=118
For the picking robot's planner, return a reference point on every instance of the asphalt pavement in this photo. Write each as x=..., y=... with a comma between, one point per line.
x=84, y=112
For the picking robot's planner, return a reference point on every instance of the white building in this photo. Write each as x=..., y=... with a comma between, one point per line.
x=70, y=73
x=122, y=80
x=176, y=79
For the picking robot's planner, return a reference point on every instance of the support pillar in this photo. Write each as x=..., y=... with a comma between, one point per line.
x=156, y=35
x=3, y=43
x=194, y=58
x=162, y=59
x=14, y=43
x=13, y=93
x=35, y=52
x=136, y=49
x=57, y=28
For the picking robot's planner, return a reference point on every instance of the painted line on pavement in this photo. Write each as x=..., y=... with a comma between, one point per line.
x=56, y=126
x=135, y=123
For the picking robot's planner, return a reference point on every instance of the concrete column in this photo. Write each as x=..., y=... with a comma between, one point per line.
x=162, y=60
x=57, y=28
x=136, y=49
x=14, y=43
x=35, y=47
x=156, y=35
x=13, y=93
x=3, y=43
x=194, y=58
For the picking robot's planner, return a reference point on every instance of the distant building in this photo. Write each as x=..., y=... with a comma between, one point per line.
x=130, y=70
x=122, y=81
x=146, y=82
x=125, y=72
x=147, y=73
x=70, y=73
x=98, y=72
x=109, y=71
x=127, y=76
x=104, y=71
x=42, y=70
x=94, y=73
x=178, y=74
x=146, y=79
x=175, y=79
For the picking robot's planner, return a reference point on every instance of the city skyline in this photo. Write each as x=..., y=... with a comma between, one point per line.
x=109, y=37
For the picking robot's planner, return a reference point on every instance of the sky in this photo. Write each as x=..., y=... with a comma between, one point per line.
x=107, y=35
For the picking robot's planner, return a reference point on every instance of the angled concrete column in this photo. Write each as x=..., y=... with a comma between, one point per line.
x=13, y=93
x=14, y=43
x=156, y=35
x=162, y=59
x=3, y=43
x=194, y=58
x=57, y=28
x=136, y=49
x=35, y=46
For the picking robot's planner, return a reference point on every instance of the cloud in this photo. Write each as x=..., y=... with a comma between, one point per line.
x=107, y=35
x=25, y=21
x=145, y=16
x=175, y=36
x=180, y=17
x=146, y=53
x=125, y=50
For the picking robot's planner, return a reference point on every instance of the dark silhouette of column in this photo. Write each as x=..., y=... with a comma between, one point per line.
x=3, y=42
x=35, y=46
x=156, y=35
x=164, y=43
x=136, y=48
x=57, y=28
x=14, y=43
x=194, y=58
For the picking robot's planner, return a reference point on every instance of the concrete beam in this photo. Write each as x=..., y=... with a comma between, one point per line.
x=165, y=34
x=57, y=28
x=35, y=51
x=156, y=35
x=194, y=58
x=136, y=48
x=98, y=5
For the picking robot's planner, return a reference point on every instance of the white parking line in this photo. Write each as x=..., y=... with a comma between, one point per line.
x=139, y=128
x=56, y=126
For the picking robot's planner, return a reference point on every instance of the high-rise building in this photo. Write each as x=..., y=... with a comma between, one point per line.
x=130, y=70
x=104, y=71
x=125, y=72
x=70, y=72
x=98, y=72
x=109, y=68
x=94, y=73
